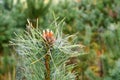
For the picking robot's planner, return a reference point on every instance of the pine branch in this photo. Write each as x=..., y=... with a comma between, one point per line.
x=47, y=65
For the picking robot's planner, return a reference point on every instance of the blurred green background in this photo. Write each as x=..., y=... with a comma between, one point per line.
x=96, y=22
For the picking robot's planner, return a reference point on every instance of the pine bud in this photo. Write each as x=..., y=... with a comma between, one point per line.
x=48, y=36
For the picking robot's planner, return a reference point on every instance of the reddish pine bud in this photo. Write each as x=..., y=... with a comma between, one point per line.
x=48, y=36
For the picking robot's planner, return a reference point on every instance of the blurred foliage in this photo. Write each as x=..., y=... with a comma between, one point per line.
x=97, y=24
x=14, y=16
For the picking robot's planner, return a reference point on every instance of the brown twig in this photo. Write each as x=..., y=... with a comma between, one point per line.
x=47, y=65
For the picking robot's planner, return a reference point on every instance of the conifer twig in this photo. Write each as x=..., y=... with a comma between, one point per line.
x=47, y=65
